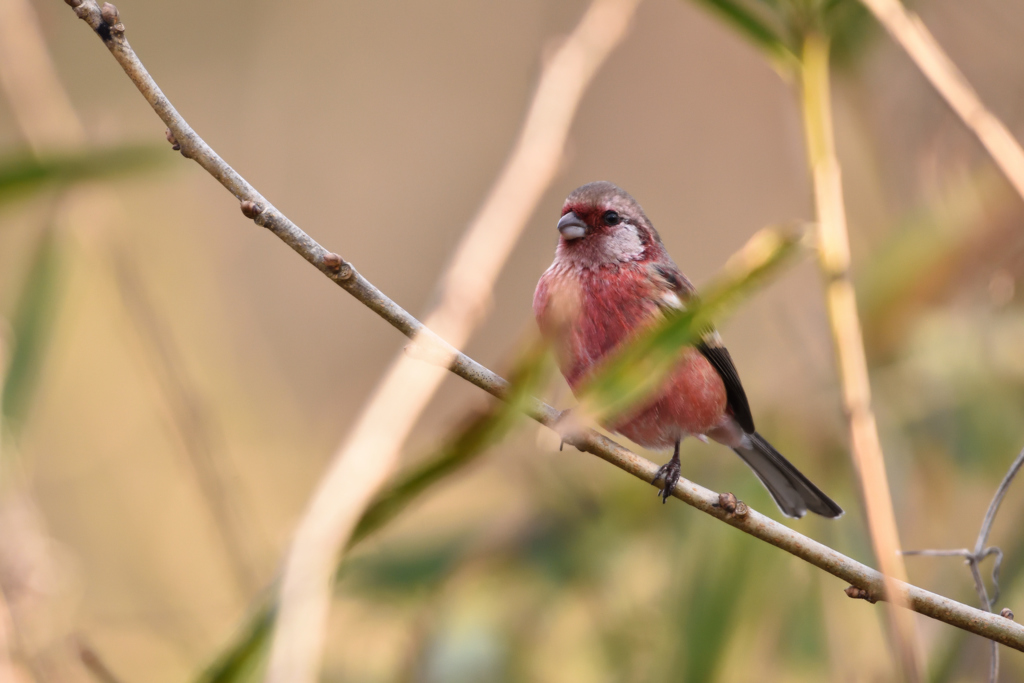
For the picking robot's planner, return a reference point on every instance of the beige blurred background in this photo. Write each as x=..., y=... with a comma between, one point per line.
x=378, y=127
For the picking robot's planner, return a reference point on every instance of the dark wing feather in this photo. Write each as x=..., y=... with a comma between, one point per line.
x=666, y=276
x=712, y=349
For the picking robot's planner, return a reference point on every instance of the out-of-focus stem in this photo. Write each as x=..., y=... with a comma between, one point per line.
x=35, y=95
x=914, y=37
x=841, y=302
x=366, y=458
x=47, y=120
x=8, y=673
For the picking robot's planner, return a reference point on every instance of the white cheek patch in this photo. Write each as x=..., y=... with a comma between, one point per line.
x=624, y=244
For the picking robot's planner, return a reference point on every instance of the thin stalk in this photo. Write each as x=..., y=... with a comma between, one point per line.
x=841, y=302
x=913, y=36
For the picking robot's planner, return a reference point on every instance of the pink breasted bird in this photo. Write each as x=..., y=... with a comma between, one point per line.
x=610, y=279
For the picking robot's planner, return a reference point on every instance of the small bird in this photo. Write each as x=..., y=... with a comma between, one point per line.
x=612, y=278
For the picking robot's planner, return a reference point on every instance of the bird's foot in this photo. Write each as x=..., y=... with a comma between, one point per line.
x=670, y=473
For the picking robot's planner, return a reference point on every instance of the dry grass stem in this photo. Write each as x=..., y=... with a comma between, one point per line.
x=8, y=672
x=841, y=302
x=40, y=107
x=370, y=453
x=190, y=418
x=911, y=33
x=850, y=571
x=47, y=119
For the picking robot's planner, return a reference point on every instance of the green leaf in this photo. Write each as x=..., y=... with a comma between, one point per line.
x=404, y=571
x=24, y=173
x=851, y=28
x=754, y=28
x=475, y=437
x=709, y=614
x=638, y=368
x=244, y=660
x=31, y=326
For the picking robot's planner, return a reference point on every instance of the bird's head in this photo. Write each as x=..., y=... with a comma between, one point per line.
x=602, y=224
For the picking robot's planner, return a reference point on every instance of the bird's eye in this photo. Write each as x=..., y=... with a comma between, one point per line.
x=611, y=218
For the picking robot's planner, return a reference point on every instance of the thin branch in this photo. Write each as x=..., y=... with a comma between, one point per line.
x=911, y=33
x=973, y=558
x=993, y=507
x=988, y=625
x=841, y=302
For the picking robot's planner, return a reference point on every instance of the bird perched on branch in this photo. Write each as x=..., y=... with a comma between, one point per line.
x=612, y=278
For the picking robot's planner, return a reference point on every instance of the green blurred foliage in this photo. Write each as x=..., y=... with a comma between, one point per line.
x=244, y=661
x=777, y=27
x=478, y=434
x=416, y=571
x=31, y=325
x=23, y=174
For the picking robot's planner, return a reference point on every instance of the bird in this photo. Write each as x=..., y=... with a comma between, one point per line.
x=612, y=278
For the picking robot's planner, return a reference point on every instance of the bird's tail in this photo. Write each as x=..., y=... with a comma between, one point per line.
x=793, y=492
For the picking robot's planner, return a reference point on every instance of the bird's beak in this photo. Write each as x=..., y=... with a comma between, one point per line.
x=571, y=227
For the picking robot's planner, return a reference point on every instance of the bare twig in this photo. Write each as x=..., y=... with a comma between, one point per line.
x=841, y=301
x=861, y=576
x=973, y=558
x=990, y=517
x=911, y=33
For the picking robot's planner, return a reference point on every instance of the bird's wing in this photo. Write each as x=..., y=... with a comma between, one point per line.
x=672, y=291
x=712, y=348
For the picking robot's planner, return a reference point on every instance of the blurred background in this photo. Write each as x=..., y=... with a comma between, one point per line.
x=176, y=378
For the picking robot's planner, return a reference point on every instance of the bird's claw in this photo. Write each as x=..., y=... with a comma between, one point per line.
x=670, y=473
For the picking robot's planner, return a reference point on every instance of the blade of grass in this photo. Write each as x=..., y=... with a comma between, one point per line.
x=752, y=27
x=245, y=659
x=639, y=367
x=476, y=436
x=709, y=619
x=24, y=173
x=31, y=326
x=242, y=660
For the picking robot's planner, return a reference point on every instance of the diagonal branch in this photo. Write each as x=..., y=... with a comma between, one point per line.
x=911, y=33
x=862, y=577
